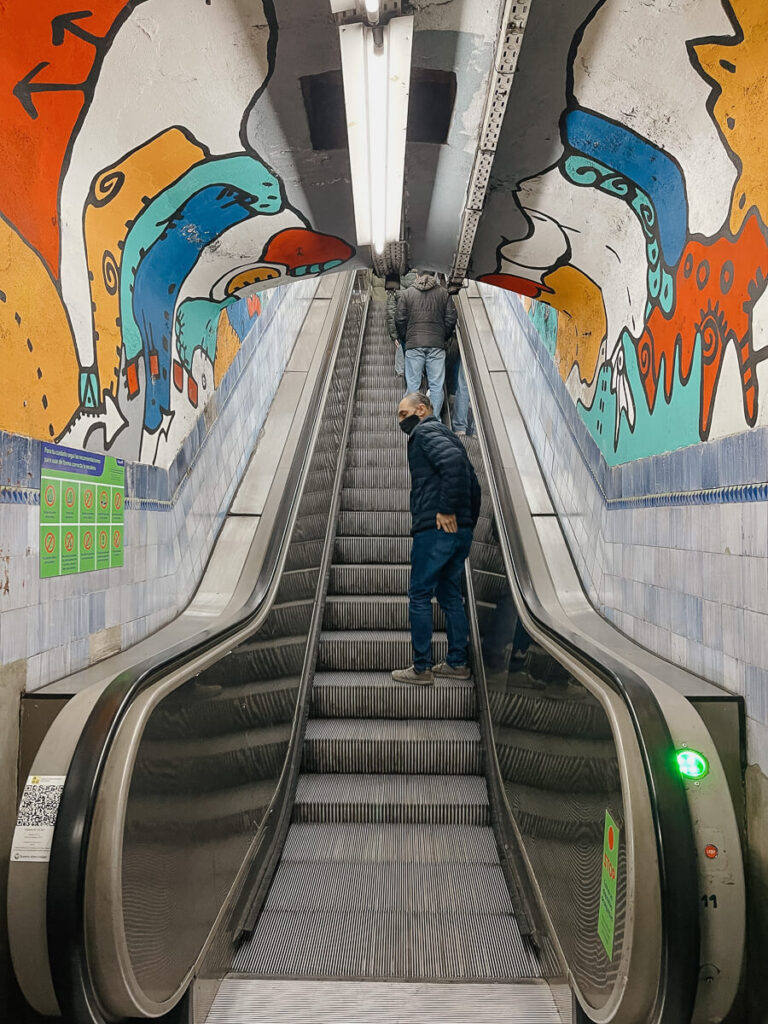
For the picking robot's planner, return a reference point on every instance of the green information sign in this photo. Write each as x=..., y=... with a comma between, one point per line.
x=606, y=922
x=82, y=495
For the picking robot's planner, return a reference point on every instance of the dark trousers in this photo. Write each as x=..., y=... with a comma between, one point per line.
x=437, y=562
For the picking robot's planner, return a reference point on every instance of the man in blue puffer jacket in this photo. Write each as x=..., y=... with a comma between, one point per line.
x=445, y=505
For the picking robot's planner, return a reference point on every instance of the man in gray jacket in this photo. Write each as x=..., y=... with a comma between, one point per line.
x=425, y=320
x=393, y=284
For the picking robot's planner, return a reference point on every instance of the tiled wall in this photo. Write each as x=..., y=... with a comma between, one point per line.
x=172, y=518
x=673, y=549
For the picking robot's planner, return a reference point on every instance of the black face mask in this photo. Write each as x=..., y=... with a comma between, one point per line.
x=409, y=423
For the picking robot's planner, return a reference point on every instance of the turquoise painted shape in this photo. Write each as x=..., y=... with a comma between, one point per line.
x=197, y=323
x=545, y=319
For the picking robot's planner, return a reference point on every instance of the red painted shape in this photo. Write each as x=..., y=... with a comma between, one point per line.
x=132, y=378
x=716, y=286
x=36, y=124
x=512, y=283
x=254, y=305
x=154, y=364
x=192, y=390
x=611, y=838
x=178, y=375
x=300, y=247
x=711, y=851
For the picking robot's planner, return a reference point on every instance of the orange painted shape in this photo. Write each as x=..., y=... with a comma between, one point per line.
x=301, y=247
x=716, y=286
x=254, y=305
x=132, y=379
x=37, y=125
x=582, y=325
x=37, y=351
x=227, y=347
x=255, y=275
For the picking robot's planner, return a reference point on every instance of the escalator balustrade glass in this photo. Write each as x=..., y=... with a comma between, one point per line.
x=213, y=750
x=560, y=774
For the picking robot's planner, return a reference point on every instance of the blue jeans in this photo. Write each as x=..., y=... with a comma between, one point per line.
x=433, y=361
x=399, y=359
x=460, y=417
x=437, y=562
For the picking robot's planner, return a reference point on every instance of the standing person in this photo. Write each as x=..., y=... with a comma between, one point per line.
x=425, y=320
x=445, y=505
x=461, y=410
x=393, y=283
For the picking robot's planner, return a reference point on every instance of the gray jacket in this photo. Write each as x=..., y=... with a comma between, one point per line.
x=405, y=282
x=426, y=316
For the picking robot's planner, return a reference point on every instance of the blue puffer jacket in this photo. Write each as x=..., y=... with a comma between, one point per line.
x=442, y=477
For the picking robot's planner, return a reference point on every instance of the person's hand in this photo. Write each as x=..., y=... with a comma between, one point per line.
x=397, y=343
x=447, y=523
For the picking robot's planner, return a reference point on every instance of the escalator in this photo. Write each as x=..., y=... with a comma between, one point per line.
x=266, y=827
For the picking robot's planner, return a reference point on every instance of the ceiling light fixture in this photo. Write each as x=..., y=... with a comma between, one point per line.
x=376, y=67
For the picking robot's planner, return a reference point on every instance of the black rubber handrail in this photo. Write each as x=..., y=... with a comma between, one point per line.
x=673, y=827
x=65, y=904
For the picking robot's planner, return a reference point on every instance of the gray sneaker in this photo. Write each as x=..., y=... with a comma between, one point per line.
x=410, y=675
x=452, y=671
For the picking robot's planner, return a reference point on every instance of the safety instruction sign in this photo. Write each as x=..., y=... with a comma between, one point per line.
x=606, y=922
x=39, y=806
x=82, y=495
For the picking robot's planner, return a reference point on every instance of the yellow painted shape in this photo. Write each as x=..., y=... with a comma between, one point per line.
x=116, y=200
x=227, y=347
x=37, y=350
x=581, y=326
x=253, y=276
x=740, y=108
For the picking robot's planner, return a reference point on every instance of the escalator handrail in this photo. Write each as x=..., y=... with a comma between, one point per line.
x=674, y=834
x=73, y=985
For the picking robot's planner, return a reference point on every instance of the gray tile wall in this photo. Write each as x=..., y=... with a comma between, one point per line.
x=683, y=572
x=60, y=625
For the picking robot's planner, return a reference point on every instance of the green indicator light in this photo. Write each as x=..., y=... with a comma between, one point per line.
x=692, y=764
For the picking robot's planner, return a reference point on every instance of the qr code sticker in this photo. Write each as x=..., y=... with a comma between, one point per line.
x=39, y=806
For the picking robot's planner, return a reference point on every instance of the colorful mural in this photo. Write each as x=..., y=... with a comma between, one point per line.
x=649, y=232
x=140, y=228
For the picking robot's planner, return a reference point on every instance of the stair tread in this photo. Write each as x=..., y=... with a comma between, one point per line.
x=382, y=679
x=436, y=730
x=376, y=843
x=323, y=787
x=361, y=635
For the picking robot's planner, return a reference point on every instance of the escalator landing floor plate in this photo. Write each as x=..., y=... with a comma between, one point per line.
x=242, y=1000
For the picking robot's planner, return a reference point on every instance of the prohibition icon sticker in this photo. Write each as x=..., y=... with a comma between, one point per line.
x=103, y=539
x=104, y=500
x=88, y=498
x=118, y=501
x=69, y=497
x=50, y=543
x=116, y=538
x=50, y=496
x=87, y=540
x=69, y=540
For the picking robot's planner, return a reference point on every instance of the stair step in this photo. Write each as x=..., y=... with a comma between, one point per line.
x=380, y=745
x=573, y=766
x=364, y=943
x=387, y=798
x=268, y=1001
x=298, y=585
x=398, y=478
x=379, y=438
x=213, y=705
x=369, y=499
x=372, y=843
x=546, y=710
x=361, y=649
x=289, y=618
x=377, y=695
x=372, y=612
x=271, y=658
x=369, y=579
x=374, y=524
x=386, y=887
x=372, y=550
x=393, y=457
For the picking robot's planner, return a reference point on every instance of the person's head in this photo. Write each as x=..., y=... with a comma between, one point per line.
x=412, y=410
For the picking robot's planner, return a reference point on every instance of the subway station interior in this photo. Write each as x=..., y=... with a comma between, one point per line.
x=217, y=805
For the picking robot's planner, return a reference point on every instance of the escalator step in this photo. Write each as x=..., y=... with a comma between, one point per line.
x=298, y=585
x=363, y=943
x=372, y=550
x=377, y=695
x=368, y=499
x=336, y=886
x=535, y=759
x=378, y=438
x=379, y=799
x=269, y=1001
x=377, y=745
x=369, y=579
x=372, y=612
x=352, y=650
x=387, y=458
x=290, y=618
x=374, y=524
x=379, y=843
x=380, y=478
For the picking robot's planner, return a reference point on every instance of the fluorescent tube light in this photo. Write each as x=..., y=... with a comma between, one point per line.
x=376, y=85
